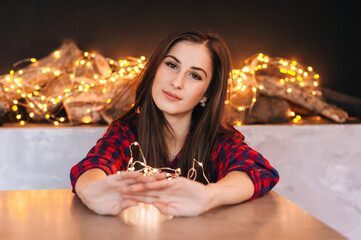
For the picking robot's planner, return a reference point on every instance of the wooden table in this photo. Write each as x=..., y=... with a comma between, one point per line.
x=58, y=214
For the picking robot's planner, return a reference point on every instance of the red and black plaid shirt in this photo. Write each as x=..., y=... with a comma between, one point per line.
x=111, y=154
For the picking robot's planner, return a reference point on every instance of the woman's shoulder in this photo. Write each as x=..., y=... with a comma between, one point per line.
x=230, y=136
x=128, y=125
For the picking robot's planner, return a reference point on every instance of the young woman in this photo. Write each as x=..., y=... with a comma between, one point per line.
x=178, y=115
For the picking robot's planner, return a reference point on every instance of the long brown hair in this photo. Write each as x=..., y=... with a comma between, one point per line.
x=207, y=122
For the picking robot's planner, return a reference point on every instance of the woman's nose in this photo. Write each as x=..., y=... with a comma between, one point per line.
x=178, y=81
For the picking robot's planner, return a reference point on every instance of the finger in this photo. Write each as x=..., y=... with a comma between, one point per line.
x=133, y=188
x=161, y=176
x=125, y=175
x=159, y=185
x=126, y=203
x=141, y=198
x=152, y=178
x=121, y=184
x=165, y=208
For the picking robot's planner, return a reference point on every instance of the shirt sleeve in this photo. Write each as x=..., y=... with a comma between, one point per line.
x=236, y=155
x=110, y=154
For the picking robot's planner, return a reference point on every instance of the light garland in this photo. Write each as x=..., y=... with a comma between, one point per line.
x=292, y=75
x=149, y=171
x=38, y=104
x=243, y=91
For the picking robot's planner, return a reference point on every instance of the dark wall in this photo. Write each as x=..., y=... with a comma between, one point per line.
x=318, y=33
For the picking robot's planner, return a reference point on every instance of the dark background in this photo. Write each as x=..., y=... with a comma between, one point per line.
x=323, y=34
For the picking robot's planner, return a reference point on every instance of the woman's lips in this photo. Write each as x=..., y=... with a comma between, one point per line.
x=171, y=96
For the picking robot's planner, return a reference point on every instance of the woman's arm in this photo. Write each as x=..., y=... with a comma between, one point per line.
x=105, y=194
x=234, y=188
x=184, y=197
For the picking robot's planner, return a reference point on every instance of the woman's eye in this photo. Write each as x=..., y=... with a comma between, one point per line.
x=171, y=65
x=195, y=76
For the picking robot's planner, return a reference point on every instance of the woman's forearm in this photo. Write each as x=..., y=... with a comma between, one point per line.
x=234, y=188
x=88, y=177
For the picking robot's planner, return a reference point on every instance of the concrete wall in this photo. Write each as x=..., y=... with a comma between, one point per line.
x=319, y=165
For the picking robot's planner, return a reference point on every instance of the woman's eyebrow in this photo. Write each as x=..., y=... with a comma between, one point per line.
x=178, y=61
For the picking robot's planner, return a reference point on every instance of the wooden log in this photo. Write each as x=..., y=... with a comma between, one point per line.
x=4, y=106
x=349, y=103
x=84, y=106
x=41, y=71
x=273, y=88
x=121, y=102
x=268, y=110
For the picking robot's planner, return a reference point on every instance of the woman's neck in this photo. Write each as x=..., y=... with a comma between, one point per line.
x=180, y=126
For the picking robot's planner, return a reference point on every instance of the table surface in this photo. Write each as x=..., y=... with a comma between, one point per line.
x=58, y=214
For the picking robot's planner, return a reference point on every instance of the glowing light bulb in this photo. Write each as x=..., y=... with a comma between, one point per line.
x=56, y=123
x=86, y=54
x=20, y=72
x=292, y=114
x=316, y=76
x=31, y=114
x=309, y=69
x=22, y=122
x=33, y=60
x=18, y=116
x=57, y=54
x=289, y=90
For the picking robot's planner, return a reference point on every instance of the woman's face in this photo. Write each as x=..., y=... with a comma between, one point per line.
x=182, y=78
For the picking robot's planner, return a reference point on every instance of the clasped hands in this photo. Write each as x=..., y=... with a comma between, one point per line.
x=178, y=197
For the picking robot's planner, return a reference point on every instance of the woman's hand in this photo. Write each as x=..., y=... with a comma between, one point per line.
x=177, y=197
x=105, y=195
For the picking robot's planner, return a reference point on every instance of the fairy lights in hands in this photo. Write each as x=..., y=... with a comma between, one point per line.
x=149, y=171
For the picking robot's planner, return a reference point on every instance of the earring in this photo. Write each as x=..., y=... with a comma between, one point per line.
x=203, y=104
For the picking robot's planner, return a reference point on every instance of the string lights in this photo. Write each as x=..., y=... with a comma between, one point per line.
x=291, y=74
x=84, y=77
x=170, y=172
x=41, y=105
